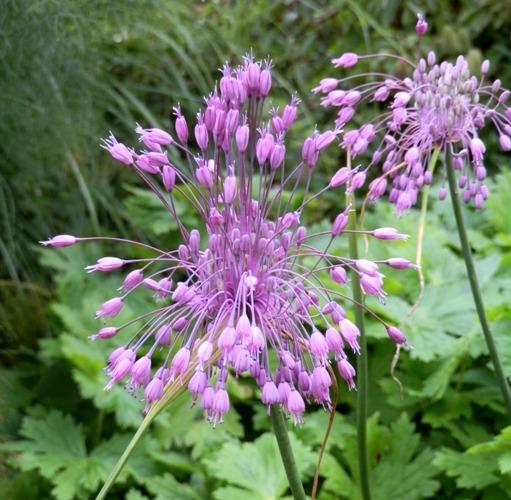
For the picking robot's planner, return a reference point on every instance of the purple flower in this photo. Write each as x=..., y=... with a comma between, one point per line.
x=422, y=26
x=62, y=240
x=436, y=106
x=226, y=301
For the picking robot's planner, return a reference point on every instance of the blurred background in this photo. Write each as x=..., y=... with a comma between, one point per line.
x=72, y=70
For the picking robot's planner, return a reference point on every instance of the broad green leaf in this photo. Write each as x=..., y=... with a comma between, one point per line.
x=256, y=467
x=182, y=426
x=134, y=494
x=166, y=487
x=55, y=445
x=505, y=462
x=312, y=431
x=405, y=471
x=337, y=480
x=502, y=333
x=470, y=471
x=147, y=212
x=498, y=203
x=400, y=469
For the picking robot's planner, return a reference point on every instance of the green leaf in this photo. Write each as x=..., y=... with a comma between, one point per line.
x=505, y=462
x=498, y=203
x=480, y=466
x=312, y=431
x=183, y=426
x=470, y=471
x=134, y=494
x=147, y=212
x=400, y=469
x=501, y=331
x=256, y=469
x=337, y=480
x=167, y=487
x=404, y=472
x=55, y=445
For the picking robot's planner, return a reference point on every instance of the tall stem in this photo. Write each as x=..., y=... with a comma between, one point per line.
x=286, y=453
x=474, y=285
x=362, y=376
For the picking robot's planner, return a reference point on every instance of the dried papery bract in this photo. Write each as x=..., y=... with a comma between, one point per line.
x=242, y=290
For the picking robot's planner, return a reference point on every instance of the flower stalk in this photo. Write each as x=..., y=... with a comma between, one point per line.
x=286, y=453
x=362, y=367
x=474, y=285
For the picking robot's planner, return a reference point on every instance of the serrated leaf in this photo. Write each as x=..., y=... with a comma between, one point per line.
x=256, y=467
x=501, y=331
x=470, y=471
x=403, y=472
x=337, y=480
x=134, y=494
x=399, y=469
x=167, y=487
x=505, y=462
x=183, y=426
x=147, y=211
x=312, y=431
x=498, y=203
x=55, y=445
x=437, y=383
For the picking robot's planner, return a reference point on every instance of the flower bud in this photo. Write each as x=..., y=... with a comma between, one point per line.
x=181, y=127
x=346, y=60
x=325, y=86
x=168, y=177
x=229, y=189
x=347, y=372
x=201, y=135
x=477, y=148
x=340, y=177
x=110, y=308
x=400, y=263
x=265, y=82
x=325, y=139
x=242, y=135
x=318, y=345
x=505, y=142
x=277, y=156
x=396, y=334
x=389, y=233
x=180, y=362
x=339, y=224
x=422, y=26
x=289, y=113
x=338, y=274
x=60, y=241
x=105, y=333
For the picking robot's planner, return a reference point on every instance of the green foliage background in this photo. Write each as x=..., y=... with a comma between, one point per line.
x=72, y=70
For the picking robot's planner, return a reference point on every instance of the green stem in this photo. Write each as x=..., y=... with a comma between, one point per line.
x=286, y=453
x=124, y=457
x=474, y=285
x=100, y=419
x=362, y=376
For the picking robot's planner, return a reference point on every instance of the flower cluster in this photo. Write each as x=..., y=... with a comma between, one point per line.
x=242, y=300
x=437, y=106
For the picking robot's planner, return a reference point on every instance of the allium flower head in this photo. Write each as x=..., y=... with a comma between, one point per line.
x=240, y=299
x=438, y=105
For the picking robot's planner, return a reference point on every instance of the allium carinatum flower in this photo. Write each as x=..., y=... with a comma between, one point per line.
x=240, y=300
x=437, y=105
